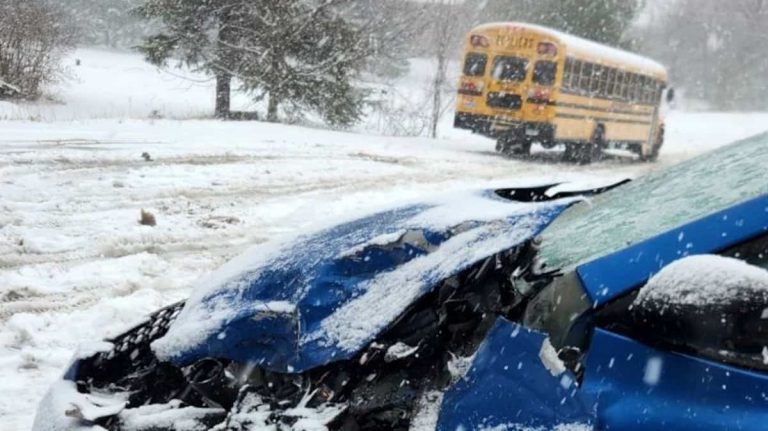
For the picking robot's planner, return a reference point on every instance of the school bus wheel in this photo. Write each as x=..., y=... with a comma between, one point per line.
x=514, y=144
x=586, y=152
x=579, y=152
x=653, y=154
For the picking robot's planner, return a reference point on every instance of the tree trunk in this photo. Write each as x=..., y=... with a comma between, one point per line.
x=272, y=109
x=223, y=75
x=223, y=84
x=437, y=96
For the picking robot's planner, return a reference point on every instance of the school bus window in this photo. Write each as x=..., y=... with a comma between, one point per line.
x=637, y=89
x=586, y=75
x=545, y=72
x=611, y=83
x=597, y=75
x=626, y=86
x=627, y=94
x=475, y=63
x=510, y=68
x=635, y=95
x=647, y=90
x=567, y=72
x=568, y=82
x=575, y=76
x=504, y=101
x=603, y=91
x=619, y=85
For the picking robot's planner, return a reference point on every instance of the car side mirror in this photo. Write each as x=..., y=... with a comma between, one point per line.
x=715, y=306
x=670, y=95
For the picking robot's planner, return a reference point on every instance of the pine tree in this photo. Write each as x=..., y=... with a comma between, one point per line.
x=197, y=33
x=301, y=54
x=391, y=27
x=305, y=55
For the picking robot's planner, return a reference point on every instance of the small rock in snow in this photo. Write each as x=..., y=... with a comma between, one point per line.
x=147, y=219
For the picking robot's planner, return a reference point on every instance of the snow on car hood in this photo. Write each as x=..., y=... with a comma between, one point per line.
x=299, y=303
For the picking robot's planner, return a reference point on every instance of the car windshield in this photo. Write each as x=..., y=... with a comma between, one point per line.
x=657, y=203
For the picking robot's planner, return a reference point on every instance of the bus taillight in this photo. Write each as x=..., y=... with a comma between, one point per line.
x=539, y=96
x=471, y=89
x=547, y=48
x=478, y=41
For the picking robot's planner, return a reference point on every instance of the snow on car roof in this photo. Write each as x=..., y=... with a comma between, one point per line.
x=582, y=46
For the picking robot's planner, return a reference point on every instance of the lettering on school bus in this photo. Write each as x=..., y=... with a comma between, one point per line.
x=514, y=42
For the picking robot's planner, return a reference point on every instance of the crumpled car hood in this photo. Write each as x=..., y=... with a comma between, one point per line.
x=296, y=304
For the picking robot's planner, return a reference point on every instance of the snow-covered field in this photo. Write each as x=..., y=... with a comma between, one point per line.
x=75, y=264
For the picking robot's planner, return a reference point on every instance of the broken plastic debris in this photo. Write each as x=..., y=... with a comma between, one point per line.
x=399, y=351
x=549, y=358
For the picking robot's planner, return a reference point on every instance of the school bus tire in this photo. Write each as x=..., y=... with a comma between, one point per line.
x=514, y=146
x=585, y=153
x=653, y=155
x=579, y=152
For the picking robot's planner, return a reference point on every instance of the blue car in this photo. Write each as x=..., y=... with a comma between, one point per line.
x=641, y=305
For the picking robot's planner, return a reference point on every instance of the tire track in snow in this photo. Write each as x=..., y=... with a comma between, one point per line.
x=407, y=172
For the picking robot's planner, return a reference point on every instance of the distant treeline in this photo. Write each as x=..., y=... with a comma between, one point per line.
x=717, y=50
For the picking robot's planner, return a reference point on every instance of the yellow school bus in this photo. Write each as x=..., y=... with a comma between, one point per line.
x=523, y=84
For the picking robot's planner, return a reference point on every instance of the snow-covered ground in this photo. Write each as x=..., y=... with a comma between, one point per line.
x=75, y=264
x=110, y=84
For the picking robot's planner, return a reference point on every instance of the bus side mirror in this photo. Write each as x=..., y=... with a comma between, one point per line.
x=670, y=95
